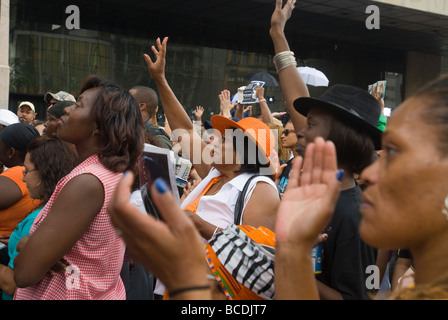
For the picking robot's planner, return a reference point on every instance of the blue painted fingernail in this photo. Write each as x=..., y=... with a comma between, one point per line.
x=161, y=186
x=340, y=175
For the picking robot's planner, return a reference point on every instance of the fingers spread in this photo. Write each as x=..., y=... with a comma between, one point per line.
x=147, y=59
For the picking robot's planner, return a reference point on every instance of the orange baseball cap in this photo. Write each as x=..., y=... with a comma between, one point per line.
x=253, y=128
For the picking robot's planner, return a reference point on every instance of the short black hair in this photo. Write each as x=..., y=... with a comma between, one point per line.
x=147, y=96
x=117, y=115
x=354, y=147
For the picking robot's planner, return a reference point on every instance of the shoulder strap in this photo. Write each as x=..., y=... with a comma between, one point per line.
x=240, y=201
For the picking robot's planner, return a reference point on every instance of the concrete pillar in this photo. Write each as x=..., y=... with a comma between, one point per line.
x=4, y=54
x=421, y=68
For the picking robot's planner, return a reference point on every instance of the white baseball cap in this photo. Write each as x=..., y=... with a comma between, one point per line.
x=8, y=117
x=27, y=103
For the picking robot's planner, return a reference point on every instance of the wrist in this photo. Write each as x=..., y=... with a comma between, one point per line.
x=295, y=246
x=262, y=100
x=277, y=30
x=195, y=292
x=192, y=283
x=159, y=79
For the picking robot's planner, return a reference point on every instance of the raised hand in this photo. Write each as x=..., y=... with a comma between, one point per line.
x=225, y=105
x=310, y=197
x=198, y=112
x=259, y=92
x=157, y=68
x=282, y=13
x=306, y=208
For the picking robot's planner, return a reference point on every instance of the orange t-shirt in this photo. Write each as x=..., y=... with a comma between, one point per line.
x=12, y=216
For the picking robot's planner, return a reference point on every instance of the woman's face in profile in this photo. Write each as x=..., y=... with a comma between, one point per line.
x=51, y=125
x=32, y=179
x=77, y=123
x=318, y=124
x=407, y=185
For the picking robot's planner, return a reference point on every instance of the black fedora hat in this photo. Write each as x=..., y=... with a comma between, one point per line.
x=355, y=104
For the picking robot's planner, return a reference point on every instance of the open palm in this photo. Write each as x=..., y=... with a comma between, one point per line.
x=310, y=196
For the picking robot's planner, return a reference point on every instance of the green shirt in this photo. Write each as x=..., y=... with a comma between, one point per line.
x=160, y=135
x=382, y=122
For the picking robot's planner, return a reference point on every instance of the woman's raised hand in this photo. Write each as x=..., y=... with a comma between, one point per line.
x=310, y=197
x=157, y=68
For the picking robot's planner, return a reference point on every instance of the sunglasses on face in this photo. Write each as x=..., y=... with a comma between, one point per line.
x=286, y=132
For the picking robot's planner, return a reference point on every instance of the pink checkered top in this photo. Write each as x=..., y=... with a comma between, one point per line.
x=97, y=257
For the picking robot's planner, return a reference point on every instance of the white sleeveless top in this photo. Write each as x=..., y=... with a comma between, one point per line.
x=219, y=209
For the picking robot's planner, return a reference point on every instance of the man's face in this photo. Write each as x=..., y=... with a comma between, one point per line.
x=26, y=114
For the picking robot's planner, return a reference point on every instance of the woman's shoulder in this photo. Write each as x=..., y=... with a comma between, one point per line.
x=250, y=181
x=260, y=178
x=93, y=165
x=14, y=173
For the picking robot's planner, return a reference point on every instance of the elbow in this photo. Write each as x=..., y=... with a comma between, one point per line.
x=10, y=289
x=22, y=281
x=7, y=283
x=22, y=277
x=19, y=278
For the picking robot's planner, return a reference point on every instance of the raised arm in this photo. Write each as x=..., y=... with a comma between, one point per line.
x=266, y=115
x=174, y=111
x=291, y=81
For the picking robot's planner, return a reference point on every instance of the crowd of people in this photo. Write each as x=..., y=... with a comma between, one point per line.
x=262, y=196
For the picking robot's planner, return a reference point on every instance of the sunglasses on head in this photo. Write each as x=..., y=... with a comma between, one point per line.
x=287, y=131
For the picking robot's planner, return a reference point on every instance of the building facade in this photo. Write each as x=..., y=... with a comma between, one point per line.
x=213, y=45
